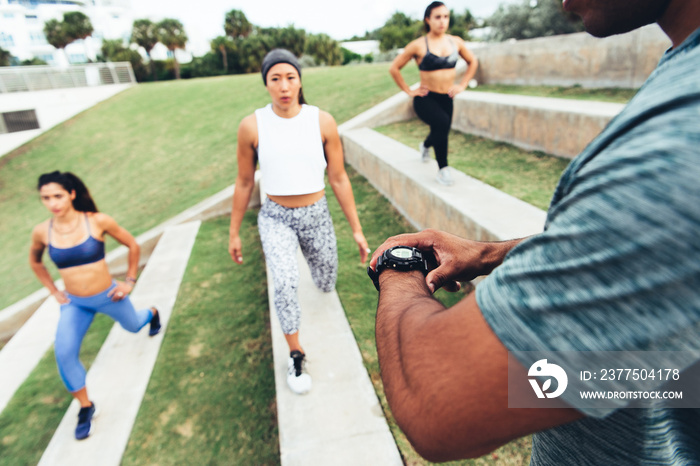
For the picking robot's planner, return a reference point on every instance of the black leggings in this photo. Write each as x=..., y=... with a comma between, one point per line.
x=436, y=111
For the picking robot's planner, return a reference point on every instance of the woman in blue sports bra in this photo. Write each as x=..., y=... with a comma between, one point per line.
x=74, y=236
x=436, y=54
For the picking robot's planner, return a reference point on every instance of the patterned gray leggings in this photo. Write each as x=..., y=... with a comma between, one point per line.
x=282, y=229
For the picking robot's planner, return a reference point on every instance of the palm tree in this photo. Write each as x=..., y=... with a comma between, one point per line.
x=237, y=25
x=324, y=49
x=171, y=33
x=222, y=44
x=143, y=33
x=78, y=25
x=56, y=35
x=75, y=25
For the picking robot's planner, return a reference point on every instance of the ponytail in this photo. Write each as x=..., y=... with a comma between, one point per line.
x=83, y=202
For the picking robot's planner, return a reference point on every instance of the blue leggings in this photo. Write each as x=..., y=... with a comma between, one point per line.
x=76, y=318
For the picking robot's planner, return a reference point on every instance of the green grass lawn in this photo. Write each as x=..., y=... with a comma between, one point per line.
x=211, y=398
x=614, y=94
x=530, y=176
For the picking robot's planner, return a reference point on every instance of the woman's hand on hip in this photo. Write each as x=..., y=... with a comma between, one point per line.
x=455, y=89
x=422, y=91
x=60, y=297
x=235, y=249
x=120, y=291
x=362, y=245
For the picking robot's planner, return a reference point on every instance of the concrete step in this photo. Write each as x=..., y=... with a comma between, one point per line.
x=470, y=208
x=119, y=376
x=340, y=421
x=24, y=351
x=561, y=127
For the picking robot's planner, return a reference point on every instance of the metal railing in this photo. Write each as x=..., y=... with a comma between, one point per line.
x=38, y=78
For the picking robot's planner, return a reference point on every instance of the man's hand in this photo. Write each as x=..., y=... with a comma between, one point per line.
x=456, y=259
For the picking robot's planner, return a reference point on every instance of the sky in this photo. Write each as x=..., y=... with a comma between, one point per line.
x=204, y=19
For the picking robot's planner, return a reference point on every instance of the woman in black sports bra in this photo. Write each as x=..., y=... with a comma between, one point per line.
x=74, y=237
x=436, y=54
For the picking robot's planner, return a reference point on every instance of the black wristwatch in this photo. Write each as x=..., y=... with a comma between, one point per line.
x=401, y=258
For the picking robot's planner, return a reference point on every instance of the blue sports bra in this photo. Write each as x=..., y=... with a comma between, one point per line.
x=89, y=251
x=432, y=62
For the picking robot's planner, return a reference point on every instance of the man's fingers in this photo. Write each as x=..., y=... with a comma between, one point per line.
x=452, y=286
x=434, y=280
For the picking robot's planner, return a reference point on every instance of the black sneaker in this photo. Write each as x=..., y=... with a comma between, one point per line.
x=155, y=323
x=82, y=431
x=297, y=378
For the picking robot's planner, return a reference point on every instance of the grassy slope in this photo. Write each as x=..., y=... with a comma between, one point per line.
x=530, y=176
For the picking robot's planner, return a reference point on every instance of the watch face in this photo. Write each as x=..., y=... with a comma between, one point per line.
x=401, y=253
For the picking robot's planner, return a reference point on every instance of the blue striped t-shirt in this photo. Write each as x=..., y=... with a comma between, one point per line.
x=617, y=267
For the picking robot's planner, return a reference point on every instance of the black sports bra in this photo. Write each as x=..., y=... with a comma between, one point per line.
x=432, y=62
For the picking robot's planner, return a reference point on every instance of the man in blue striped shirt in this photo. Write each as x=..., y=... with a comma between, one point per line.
x=616, y=269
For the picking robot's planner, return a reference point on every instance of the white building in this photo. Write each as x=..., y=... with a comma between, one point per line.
x=22, y=29
x=362, y=47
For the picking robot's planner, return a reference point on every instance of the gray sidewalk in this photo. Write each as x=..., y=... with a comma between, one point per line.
x=52, y=107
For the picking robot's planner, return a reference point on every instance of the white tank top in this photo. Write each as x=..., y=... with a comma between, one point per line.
x=290, y=152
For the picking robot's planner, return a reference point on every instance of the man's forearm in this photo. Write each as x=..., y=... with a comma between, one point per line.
x=404, y=303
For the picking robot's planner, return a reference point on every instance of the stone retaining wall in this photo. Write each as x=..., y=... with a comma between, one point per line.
x=624, y=60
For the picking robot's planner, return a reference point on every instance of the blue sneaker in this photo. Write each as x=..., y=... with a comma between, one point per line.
x=155, y=323
x=82, y=431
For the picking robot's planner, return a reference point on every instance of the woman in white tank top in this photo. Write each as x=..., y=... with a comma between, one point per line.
x=296, y=144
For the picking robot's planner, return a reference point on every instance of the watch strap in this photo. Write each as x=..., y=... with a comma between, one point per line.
x=421, y=264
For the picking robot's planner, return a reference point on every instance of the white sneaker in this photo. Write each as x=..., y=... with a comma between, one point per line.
x=297, y=378
x=424, y=153
x=444, y=177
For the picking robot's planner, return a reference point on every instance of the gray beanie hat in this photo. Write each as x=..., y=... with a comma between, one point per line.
x=276, y=56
